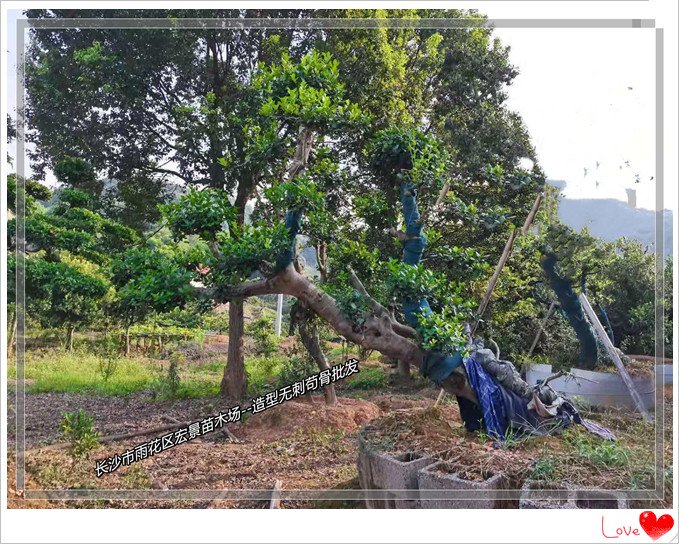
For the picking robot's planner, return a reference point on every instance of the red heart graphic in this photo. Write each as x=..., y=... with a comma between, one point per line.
x=655, y=527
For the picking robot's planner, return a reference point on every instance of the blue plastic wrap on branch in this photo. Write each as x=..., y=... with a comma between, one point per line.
x=572, y=309
x=438, y=366
x=293, y=222
x=412, y=308
x=415, y=242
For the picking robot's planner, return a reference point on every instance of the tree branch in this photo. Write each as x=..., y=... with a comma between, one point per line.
x=398, y=328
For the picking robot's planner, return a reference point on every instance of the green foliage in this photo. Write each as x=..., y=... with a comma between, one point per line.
x=580, y=256
x=373, y=207
x=262, y=373
x=202, y=212
x=147, y=280
x=78, y=174
x=441, y=331
x=415, y=282
x=90, y=55
x=402, y=154
x=467, y=263
x=34, y=192
x=307, y=92
x=68, y=226
x=75, y=198
x=108, y=364
x=357, y=254
x=350, y=302
x=59, y=294
x=78, y=429
x=298, y=365
x=262, y=332
x=245, y=249
x=217, y=322
x=298, y=194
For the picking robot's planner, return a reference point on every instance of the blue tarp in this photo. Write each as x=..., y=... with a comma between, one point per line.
x=490, y=397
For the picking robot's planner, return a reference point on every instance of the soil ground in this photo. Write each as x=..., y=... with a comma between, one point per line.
x=307, y=445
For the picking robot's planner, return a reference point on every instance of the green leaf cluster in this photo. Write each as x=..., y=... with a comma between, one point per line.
x=203, y=212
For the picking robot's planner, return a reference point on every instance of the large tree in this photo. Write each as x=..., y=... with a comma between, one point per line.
x=191, y=113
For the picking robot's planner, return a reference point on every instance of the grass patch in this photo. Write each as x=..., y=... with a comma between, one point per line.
x=544, y=469
x=187, y=389
x=213, y=367
x=77, y=372
x=368, y=377
x=263, y=372
x=599, y=452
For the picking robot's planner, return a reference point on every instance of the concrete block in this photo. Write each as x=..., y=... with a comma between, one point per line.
x=392, y=473
x=444, y=477
x=534, y=495
x=600, y=499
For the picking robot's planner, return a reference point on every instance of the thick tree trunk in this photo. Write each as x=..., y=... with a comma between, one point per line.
x=69, y=338
x=127, y=341
x=234, y=382
x=312, y=343
x=574, y=312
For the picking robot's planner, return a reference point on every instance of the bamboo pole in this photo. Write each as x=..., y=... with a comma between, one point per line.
x=610, y=348
x=498, y=269
x=503, y=260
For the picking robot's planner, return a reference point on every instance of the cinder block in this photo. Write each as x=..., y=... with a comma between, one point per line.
x=600, y=499
x=441, y=477
x=535, y=495
x=392, y=473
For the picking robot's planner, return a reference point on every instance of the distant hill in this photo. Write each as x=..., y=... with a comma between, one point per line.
x=610, y=219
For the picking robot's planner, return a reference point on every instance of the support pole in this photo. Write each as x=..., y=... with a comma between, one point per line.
x=503, y=259
x=279, y=314
x=606, y=341
x=500, y=265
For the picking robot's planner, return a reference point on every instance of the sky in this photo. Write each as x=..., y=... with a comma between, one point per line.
x=587, y=97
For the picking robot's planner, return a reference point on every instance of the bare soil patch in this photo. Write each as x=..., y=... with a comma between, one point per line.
x=286, y=419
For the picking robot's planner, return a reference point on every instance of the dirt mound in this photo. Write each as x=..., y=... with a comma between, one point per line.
x=431, y=429
x=286, y=419
x=389, y=403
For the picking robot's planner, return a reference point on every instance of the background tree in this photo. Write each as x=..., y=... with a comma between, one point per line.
x=174, y=118
x=147, y=280
x=68, y=247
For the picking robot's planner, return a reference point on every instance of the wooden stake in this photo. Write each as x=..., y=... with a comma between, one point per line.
x=275, y=495
x=493, y=280
x=503, y=259
x=610, y=348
